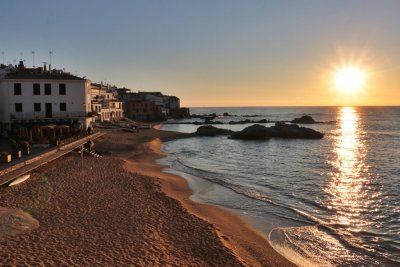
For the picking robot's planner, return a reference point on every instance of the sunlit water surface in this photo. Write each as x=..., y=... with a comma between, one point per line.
x=331, y=202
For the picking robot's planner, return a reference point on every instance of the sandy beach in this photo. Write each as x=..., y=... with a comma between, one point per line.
x=121, y=209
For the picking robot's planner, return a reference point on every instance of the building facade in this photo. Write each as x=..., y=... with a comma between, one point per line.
x=32, y=95
x=145, y=110
x=105, y=104
x=148, y=106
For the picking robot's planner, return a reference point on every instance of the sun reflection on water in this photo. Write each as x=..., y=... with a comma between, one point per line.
x=349, y=177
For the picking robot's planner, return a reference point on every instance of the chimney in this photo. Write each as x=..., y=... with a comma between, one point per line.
x=21, y=64
x=44, y=67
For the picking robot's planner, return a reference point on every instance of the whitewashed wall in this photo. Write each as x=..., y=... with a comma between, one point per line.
x=77, y=98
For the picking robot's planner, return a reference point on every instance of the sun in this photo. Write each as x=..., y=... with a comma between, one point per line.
x=350, y=79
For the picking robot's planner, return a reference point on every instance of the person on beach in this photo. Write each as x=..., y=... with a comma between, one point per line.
x=89, y=144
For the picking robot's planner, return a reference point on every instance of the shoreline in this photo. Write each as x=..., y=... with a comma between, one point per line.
x=122, y=209
x=248, y=244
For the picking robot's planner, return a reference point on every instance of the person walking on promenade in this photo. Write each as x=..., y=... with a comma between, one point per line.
x=89, y=144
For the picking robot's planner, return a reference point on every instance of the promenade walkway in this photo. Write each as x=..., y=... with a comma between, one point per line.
x=23, y=166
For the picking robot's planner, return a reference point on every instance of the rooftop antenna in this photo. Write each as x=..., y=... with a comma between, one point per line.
x=20, y=56
x=51, y=56
x=33, y=58
x=2, y=53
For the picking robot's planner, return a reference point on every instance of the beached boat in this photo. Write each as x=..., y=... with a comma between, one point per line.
x=20, y=179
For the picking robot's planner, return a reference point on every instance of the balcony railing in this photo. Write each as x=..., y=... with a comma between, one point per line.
x=42, y=115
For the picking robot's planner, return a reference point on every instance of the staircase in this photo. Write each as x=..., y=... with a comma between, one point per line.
x=92, y=153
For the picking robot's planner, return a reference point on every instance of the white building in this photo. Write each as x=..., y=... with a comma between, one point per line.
x=28, y=95
x=105, y=104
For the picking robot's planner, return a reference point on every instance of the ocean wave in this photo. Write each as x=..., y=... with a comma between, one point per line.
x=344, y=188
x=333, y=232
x=316, y=246
x=251, y=193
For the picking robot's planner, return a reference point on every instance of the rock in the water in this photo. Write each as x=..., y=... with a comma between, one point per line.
x=253, y=132
x=282, y=130
x=208, y=130
x=248, y=121
x=240, y=122
x=207, y=122
x=304, y=120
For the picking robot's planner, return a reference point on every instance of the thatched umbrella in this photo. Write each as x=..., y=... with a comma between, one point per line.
x=62, y=129
x=50, y=130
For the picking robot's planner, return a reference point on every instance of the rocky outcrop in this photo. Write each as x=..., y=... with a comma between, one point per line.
x=208, y=130
x=306, y=119
x=206, y=122
x=281, y=130
x=248, y=121
x=209, y=120
x=284, y=130
x=253, y=132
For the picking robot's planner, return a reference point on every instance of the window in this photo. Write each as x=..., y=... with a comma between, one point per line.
x=18, y=107
x=17, y=89
x=63, y=106
x=37, y=107
x=47, y=89
x=62, y=88
x=36, y=88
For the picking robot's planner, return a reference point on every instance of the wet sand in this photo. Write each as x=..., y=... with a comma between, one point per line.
x=122, y=210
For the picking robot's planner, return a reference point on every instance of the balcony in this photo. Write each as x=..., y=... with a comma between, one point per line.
x=42, y=115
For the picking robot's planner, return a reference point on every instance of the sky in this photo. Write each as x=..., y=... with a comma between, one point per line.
x=215, y=52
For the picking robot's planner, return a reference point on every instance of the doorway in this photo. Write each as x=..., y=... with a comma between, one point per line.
x=49, y=110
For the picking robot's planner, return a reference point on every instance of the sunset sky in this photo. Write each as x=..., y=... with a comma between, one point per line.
x=216, y=53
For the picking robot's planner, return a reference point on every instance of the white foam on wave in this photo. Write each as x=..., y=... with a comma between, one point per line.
x=311, y=246
x=293, y=256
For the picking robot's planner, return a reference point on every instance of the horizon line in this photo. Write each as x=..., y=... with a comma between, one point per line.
x=294, y=106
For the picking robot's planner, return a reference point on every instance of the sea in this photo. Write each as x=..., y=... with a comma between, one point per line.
x=328, y=202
